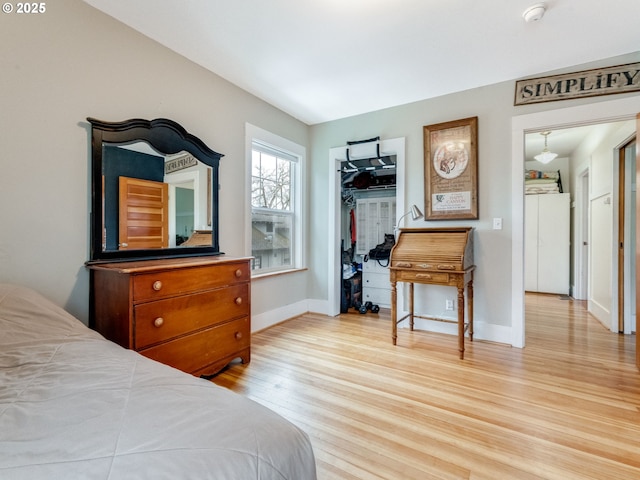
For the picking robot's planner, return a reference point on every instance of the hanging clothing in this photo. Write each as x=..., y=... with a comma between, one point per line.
x=352, y=214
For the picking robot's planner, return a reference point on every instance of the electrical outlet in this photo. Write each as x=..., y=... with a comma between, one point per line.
x=448, y=304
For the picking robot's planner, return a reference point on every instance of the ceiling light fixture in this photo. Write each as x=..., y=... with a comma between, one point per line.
x=534, y=12
x=545, y=156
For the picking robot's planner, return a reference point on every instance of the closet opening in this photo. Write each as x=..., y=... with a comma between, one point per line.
x=368, y=219
x=341, y=207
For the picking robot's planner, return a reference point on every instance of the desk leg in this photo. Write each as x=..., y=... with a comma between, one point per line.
x=394, y=313
x=461, y=321
x=470, y=307
x=411, y=307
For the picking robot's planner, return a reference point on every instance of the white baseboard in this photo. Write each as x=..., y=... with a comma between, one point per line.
x=273, y=317
x=319, y=306
x=482, y=330
x=492, y=333
x=600, y=312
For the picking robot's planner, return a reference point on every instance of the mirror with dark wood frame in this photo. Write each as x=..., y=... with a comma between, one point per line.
x=154, y=191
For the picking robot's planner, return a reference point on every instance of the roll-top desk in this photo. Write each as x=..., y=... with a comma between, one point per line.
x=191, y=313
x=436, y=256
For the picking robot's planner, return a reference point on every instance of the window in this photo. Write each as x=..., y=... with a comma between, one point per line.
x=275, y=204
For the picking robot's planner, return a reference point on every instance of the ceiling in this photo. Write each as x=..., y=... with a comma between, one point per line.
x=322, y=60
x=564, y=141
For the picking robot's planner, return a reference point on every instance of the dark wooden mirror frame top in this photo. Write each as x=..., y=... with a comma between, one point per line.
x=166, y=137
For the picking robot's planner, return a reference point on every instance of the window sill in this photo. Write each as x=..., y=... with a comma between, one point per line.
x=258, y=276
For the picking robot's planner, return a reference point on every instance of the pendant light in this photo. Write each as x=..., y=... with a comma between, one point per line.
x=545, y=156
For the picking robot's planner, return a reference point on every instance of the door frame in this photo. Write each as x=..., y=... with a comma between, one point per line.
x=581, y=260
x=637, y=259
x=621, y=109
x=622, y=203
x=395, y=146
x=626, y=235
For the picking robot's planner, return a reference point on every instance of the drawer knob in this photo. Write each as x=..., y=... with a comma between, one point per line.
x=157, y=285
x=238, y=335
x=238, y=300
x=238, y=273
x=158, y=322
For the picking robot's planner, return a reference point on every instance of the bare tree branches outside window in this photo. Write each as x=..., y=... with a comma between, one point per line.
x=270, y=182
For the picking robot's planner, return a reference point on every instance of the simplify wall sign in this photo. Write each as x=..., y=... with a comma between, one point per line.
x=587, y=83
x=179, y=163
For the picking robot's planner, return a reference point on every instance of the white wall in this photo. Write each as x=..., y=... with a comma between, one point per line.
x=73, y=62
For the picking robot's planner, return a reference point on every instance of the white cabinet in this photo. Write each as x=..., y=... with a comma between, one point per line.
x=546, y=243
x=374, y=218
x=376, y=286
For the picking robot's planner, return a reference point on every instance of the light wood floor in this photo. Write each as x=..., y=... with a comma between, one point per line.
x=565, y=407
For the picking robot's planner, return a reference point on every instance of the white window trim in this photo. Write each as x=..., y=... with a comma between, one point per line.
x=253, y=133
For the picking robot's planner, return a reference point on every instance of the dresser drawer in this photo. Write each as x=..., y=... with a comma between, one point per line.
x=161, y=320
x=377, y=296
x=150, y=286
x=376, y=280
x=431, y=277
x=375, y=267
x=192, y=352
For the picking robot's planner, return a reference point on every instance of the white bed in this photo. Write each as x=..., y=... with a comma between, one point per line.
x=74, y=405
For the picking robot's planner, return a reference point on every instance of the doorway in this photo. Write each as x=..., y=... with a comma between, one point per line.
x=184, y=206
x=602, y=112
x=336, y=156
x=605, y=147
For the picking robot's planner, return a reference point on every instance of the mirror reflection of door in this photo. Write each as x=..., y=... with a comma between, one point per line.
x=184, y=217
x=185, y=200
x=143, y=220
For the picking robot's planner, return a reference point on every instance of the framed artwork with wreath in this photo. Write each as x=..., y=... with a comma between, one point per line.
x=451, y=170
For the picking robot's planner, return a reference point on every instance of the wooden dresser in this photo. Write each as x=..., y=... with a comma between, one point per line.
x=191, y=313
x=435, y=256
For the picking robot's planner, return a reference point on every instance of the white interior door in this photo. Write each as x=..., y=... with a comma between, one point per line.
x=531, y=243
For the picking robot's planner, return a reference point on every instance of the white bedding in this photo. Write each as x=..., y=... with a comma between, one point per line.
x=76, y=406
